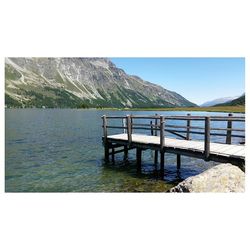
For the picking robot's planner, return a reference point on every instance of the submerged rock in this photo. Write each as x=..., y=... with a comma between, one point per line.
x=222, y=178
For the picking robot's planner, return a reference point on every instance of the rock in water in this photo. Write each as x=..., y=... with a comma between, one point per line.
x=222, y=178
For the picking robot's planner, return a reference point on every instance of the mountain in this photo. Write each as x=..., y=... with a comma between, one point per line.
x=80, y=82
x=217, y=101
x=236, y=102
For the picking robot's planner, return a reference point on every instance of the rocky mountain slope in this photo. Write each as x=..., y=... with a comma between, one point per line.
x=80, y=82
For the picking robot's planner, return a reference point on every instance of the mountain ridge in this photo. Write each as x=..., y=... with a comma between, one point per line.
x=81, y=82
x=218, y=101
x=235, y=102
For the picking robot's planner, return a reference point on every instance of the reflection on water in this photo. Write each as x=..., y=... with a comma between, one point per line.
x=55, y=150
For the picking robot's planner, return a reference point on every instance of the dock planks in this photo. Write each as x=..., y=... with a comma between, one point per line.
x=232, y=151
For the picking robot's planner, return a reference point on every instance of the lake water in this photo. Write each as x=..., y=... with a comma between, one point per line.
x=60, y=150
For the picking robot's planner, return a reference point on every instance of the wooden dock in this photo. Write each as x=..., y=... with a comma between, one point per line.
x=161, y=143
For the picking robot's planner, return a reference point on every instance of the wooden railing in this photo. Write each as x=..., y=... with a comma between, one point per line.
x=159, y=123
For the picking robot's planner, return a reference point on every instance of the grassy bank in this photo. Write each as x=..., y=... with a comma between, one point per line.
x=227, y=109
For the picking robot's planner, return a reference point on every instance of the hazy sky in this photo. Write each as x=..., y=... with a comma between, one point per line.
x=197, y=79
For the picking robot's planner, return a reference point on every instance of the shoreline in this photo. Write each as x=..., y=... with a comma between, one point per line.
x=222, y=109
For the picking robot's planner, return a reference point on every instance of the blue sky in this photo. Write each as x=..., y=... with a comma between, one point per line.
x=197, y=79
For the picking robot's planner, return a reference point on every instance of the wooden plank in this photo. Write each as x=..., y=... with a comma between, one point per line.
x=215, y=148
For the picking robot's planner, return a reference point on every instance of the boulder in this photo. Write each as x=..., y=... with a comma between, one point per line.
x=222, y=178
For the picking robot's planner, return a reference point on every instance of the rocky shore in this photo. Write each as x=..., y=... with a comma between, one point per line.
x=222, y=178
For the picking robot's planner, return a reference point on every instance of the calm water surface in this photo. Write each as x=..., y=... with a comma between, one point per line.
x=60, y=150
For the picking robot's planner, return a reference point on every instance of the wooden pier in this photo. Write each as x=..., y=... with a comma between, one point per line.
x=151, y=132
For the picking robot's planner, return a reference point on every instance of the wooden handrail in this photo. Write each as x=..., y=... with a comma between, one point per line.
x=212, y=118
x=188, y=129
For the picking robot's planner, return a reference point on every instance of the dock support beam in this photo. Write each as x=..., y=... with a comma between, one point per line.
x=178, y=161
x=138, y=159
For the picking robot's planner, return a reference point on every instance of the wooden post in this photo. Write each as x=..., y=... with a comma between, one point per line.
x=178, y=161
x=162, y=164
x=129, y=129
x=125, y=152
x=188, y=128
x=113, y=155
x=162, y=142
x=131, y=124
x=105, y=142
x=156, y=123
x=124, y=125
x=156, y=151
x=162, y=132
x=104, y=120
x=138, y=159
x=151, y=126
x=229, y=131
x=207, y=137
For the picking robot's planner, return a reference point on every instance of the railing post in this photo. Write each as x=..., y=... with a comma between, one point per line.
x=162, y=131
x=124, y=125
x=207, y=138
x=151, y=126
x=156, y=151
x=229, y=130
x=129, y=129
x=105, y=135
x=188, y=128
x=104, y=121
x=162, y=143
x=156, y=123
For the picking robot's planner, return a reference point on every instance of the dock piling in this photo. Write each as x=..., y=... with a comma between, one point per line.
x=178, y=158
x=126, y=153
x=105, y=142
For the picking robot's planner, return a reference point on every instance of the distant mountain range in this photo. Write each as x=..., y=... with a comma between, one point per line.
x=218, y=101
x=81, y=82
x=236, y=102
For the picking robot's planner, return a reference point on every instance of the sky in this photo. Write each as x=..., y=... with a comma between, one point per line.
x=197, y=79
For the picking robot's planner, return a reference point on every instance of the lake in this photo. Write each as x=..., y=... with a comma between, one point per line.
x=60, y=150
